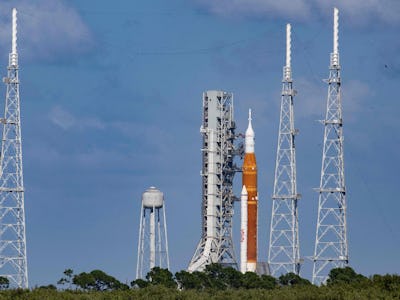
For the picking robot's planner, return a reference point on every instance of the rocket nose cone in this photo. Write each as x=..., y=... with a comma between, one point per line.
x=250, y=131
x=244, y=190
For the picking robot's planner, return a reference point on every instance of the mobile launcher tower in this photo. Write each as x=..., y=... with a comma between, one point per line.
x=218, y=152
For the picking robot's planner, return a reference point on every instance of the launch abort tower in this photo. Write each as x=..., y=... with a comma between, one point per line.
x=218, y=152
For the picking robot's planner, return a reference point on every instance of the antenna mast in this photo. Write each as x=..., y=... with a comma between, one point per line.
x=331, y=247
x=284, y=249
x=13, y=261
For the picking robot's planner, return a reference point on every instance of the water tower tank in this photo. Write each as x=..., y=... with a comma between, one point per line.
x=153, y=197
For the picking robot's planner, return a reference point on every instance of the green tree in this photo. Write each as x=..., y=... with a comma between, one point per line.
x=189, y=281
x=387, y=282
x=268, y=282
x=205, y=281
x=48, y=287
x=159, y=276
x=232, y=277
x=98, y=280
x=216, y=277
x=4, y=283
x=251, y=280
x=84, y=280
x=293, y=279
x=68, y=275
x=221, y=278
x=139, y=283
x=344, y=276
x=104, y=281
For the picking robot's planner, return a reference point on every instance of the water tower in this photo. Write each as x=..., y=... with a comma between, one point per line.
x=153, y=241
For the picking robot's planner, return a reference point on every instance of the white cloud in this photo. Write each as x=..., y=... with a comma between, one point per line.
x=311, y=100
x=158, y=139
x=64, y=119
x=363, y=11
x=354, y=94
x=46, y=29
x=298, y=8
x=358, y=11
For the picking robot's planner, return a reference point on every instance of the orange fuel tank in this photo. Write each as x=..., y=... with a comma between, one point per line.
x=249, y=178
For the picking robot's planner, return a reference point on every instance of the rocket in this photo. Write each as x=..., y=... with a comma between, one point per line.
x=249, y=181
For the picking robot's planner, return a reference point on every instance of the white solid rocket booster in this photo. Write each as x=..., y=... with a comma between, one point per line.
x=243, y=231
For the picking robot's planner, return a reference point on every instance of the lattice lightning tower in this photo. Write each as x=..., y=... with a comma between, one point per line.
x=331, y=248
x=218, y=130
x=13, y=261
x=284, y=252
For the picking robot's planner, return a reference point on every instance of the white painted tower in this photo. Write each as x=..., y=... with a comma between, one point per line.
x=284, y=247
x=13, y=260
x=153, y=241
x=331, y=245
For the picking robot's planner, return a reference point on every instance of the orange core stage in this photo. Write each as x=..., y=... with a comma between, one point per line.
x=250, y=181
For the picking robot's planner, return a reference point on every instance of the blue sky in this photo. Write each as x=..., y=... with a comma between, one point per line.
x=111, y=104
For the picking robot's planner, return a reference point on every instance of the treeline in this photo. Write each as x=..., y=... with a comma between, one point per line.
x=215, y=282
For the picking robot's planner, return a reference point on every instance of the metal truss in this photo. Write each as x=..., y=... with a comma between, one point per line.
x=284, y=249
x=218, y=152
x=13, y=261
x=331, y=246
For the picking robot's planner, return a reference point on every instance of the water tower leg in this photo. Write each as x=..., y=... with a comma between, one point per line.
x=152, y=239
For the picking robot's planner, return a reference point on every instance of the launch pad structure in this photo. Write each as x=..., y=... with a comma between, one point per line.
x=218, y=170
x=219, y=152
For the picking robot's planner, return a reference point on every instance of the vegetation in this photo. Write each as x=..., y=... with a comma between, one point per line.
x=98, y=281
x=4, y=283
x=216, y=282
x=291, y=279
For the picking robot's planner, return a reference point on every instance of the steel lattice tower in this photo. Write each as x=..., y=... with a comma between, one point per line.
x=331, y=248
x=218, y=130
x=284, y=252
x=13, y=261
